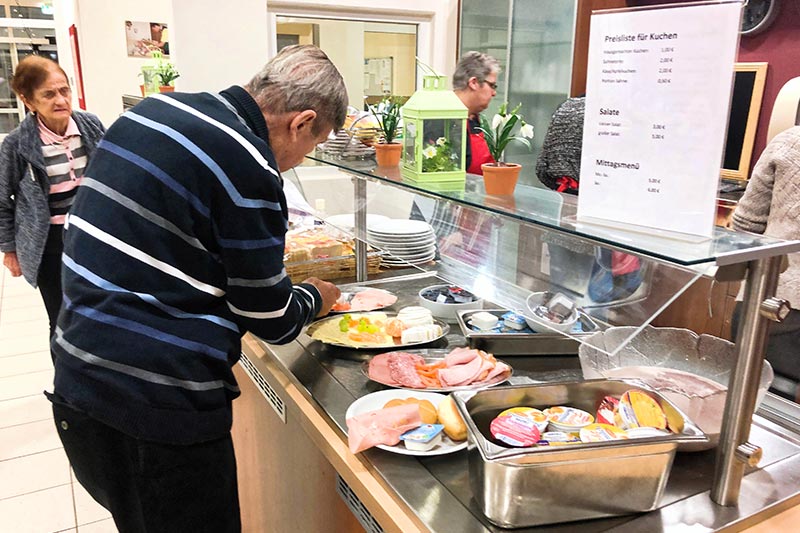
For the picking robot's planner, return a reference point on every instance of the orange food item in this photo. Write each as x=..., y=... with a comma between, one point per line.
x=394, y=327
x=341, y=306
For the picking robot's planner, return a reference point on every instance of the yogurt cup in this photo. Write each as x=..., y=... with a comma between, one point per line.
x=567, y=419
x=602, y=433
x=538, y=417
x=515, y=430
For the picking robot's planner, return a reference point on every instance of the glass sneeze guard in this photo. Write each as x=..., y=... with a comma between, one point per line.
x=530, y=205
x=500, y=252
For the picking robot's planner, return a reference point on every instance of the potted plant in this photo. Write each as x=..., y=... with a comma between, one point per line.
x=501, y=177
x=167, y=74
x=387, y=151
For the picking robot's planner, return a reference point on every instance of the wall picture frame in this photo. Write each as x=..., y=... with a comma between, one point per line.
x=748, y=92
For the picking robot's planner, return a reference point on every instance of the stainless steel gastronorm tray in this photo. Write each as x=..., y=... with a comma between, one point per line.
x=523, y=343
x=522, y=487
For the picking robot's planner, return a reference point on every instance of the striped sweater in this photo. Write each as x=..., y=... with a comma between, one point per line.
x=173, y=249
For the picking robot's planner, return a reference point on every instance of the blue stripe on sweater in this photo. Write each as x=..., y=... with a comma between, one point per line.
x=96, y=280
x=157, y=173
x=141, y=329
x=181, y=139
x=252, y=244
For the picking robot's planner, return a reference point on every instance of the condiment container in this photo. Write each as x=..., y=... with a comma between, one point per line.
x=424, y=438
x=525, y=487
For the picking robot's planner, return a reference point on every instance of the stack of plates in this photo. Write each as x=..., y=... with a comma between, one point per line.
x=407, y=241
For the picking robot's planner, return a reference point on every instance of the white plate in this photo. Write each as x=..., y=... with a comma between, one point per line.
x=410, y=257
x=397, y=341
x=347, y=221
x=403, y=242
x=376, y=400
x=403, y=262
x=401, y=227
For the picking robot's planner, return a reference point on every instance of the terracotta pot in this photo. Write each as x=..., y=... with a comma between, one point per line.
x=166, y=89
x=141, y=87
x=388, y=155
x=500, y=179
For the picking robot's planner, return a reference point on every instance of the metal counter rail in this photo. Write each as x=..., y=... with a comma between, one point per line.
x=437, y=488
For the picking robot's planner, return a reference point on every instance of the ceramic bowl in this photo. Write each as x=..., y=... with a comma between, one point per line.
x=543, y=325
x=446, y=311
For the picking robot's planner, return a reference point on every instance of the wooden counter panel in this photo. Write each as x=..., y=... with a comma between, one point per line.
x=314, y=445
x=285, y=483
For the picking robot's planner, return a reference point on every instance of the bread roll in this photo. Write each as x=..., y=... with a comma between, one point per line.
x=450, y=418
x=394, y=403
x=427, y=411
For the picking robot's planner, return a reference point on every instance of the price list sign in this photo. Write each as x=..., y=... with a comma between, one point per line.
x=657, y=94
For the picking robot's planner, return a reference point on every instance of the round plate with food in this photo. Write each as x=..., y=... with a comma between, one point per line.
x=357, y=299
x=412, y=326
x=437, y=370
x=381, y=399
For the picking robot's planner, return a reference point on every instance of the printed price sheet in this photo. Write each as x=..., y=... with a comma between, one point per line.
x=657, y=94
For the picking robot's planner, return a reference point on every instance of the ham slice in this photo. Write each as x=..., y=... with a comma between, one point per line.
x=460, y=356
x=379, y=369
x=402, y=369
x=383, y=426
x=371, y=299
x=498, y=369
x=462, y=374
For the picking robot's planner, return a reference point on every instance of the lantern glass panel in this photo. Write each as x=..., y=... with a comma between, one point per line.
x=442, y=145
x=409, y=143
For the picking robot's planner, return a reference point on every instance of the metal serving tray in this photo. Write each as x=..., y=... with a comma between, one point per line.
x=523, y=487
x=523, y=343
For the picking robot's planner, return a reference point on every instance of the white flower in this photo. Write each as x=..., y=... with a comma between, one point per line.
x=440, y=141
x=526, y=131
x=497, y=121
x=429, y=152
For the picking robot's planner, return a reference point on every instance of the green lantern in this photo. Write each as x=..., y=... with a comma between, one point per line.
x=435, y=137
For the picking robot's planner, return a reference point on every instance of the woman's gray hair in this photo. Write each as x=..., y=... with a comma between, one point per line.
x=302, y=77
x=474, y=64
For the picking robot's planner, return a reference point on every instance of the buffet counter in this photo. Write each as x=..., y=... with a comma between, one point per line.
x=296, y=470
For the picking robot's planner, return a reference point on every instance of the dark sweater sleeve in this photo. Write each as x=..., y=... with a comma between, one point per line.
x=251, y=244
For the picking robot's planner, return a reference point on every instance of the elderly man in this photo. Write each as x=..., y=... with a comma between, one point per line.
x=173, y=250
x=475, y=83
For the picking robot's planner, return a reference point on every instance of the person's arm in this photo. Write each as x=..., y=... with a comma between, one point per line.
x=9, y=181
x=752, y=211
x=259, y=292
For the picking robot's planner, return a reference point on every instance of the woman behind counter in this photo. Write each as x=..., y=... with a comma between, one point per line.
x=41, y=164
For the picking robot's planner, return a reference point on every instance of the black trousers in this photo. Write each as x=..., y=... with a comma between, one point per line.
x=152, y=487
x=49, y=276
x=49, y=281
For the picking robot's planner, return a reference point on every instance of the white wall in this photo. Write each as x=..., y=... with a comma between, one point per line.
x=238, y=48
x=108, y=72
x=218, y=44
x=343, y=42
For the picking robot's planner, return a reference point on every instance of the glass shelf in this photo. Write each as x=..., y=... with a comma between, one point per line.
x=551, y=210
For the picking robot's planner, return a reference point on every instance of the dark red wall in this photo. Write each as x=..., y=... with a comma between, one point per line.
x=779, y=46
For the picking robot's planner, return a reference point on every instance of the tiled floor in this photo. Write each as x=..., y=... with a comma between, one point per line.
x=38, y=491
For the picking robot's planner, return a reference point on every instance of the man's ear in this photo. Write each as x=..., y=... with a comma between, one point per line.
x=303, y=122
x=473, y=83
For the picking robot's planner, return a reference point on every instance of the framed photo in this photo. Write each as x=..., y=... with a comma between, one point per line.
x=143, y=38
x=748, y=90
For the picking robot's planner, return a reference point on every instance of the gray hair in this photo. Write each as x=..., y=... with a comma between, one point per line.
x=302, y=77
x=474, y=64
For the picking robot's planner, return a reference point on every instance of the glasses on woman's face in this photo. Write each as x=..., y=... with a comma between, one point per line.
x=492, y=84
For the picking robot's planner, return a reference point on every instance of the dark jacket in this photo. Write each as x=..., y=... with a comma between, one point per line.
x=174, y=248
x=24, y=188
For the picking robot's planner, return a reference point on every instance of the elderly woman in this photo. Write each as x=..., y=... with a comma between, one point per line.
x=41, y=164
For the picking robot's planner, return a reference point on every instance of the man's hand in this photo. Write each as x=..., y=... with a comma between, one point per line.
x=11, y=262
x=330, y=293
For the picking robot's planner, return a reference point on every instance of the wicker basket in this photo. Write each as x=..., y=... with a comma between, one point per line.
x=329, y=268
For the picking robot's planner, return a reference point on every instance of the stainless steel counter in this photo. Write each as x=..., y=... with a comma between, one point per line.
x=437, y=488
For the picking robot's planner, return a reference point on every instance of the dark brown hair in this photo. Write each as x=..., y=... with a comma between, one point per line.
x=31, y=72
